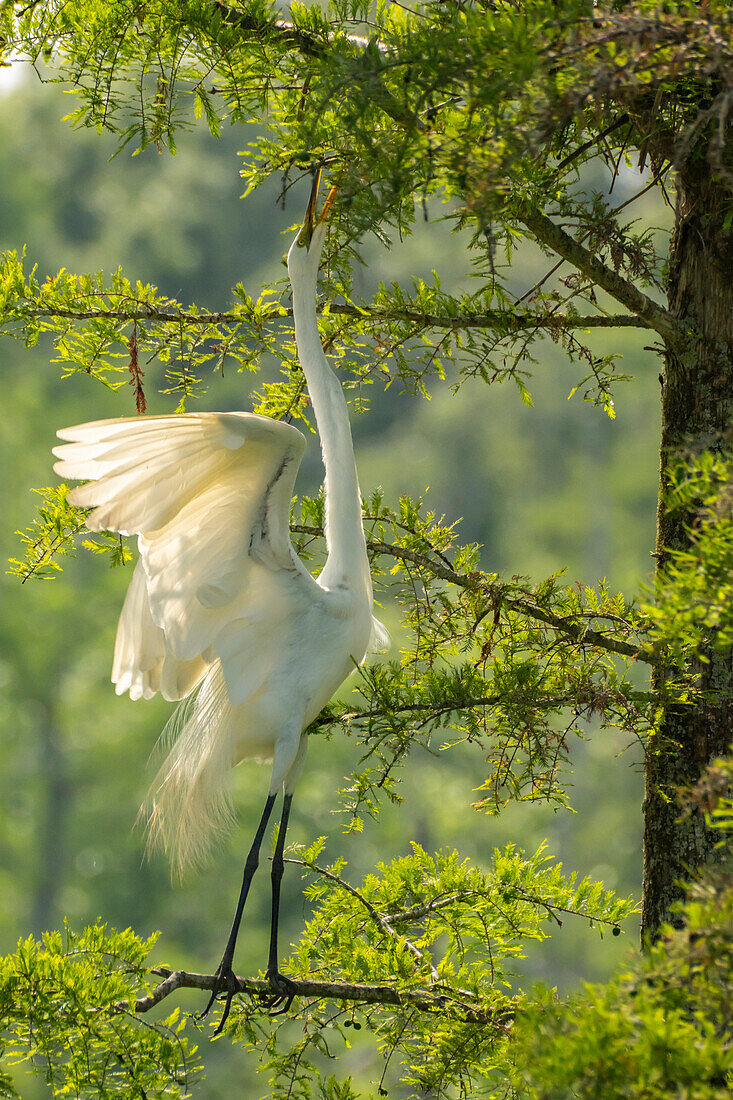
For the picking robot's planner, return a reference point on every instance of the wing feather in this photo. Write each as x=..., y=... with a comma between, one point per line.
x=140, y=644
x=208, y=495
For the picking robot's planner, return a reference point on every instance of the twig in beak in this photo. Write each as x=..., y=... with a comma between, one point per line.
x=310, y=222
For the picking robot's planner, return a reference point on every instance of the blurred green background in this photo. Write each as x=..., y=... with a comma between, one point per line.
x=557, y=485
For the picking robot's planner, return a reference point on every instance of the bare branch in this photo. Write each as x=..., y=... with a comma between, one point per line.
x=443, y=1001
x=419, y=912
x=577, y=631
x=622, y=120
x=547, y=233
x=582, y=634
x=452, y=706
x=501, y=319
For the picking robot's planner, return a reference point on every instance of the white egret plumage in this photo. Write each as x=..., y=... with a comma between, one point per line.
x=220, y=611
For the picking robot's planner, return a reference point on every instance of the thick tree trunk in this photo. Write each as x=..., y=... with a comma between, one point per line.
x=697, y=404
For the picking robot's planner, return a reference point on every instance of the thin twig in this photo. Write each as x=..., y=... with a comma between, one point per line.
x=381, y=922
x=615, y=125
x=625, y=292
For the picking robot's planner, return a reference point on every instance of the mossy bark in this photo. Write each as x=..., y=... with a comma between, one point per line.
x=697, y=405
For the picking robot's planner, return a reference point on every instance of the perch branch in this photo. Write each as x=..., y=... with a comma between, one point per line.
x=441, y=1002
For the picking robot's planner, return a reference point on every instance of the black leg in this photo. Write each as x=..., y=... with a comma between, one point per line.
x=225, y=977
x=284, y=992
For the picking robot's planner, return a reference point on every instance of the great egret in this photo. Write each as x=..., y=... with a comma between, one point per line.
x=220, y=600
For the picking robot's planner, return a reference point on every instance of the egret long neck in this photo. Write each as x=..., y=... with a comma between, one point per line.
x=347, y=557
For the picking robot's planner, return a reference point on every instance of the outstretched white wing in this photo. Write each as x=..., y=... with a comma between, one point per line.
x=209, y=495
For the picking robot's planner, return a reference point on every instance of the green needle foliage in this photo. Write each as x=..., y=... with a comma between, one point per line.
x=518, y=118
x=453, y=99
x=422, y=954
x=67, y=1008
x=660, y=1029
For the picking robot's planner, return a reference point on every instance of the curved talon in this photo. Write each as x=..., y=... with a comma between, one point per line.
x=284, y=1002
x=284, y=995
x=285, y=1008
x=226, y=982
x=209, y=1003
x=220, y=1026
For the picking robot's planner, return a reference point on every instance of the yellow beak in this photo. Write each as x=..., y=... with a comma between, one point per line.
x=311, y=221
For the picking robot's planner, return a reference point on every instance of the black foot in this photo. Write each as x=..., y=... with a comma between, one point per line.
x=283, y=993
x=226, y=983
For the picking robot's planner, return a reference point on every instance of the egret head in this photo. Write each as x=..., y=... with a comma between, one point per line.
x=305, y=251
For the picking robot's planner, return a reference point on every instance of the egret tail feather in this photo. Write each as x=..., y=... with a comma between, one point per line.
x=188, y=805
